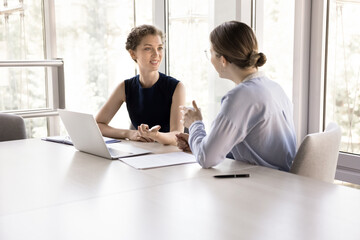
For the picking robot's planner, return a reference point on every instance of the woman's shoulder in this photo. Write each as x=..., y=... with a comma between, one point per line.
x=253, y=88
x=168, y=82
x=168, y=78
x=134, y=79
x=246, y=95
x=131, y=83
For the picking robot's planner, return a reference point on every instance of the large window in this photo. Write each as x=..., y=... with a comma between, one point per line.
x=91, y=40
x=188, y=38
x=343, y=72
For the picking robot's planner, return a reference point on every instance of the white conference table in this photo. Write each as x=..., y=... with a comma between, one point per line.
x=51, y=191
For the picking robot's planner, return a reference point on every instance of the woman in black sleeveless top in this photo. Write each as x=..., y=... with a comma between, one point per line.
x=152, y=98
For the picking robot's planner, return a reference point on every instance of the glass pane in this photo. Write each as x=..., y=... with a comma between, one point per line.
x=143, y=11
x=21, y=30
x=36, y=127
x=343, y=72
x=91, y=39
x=188, y=38
x=22, y=88
x=21, y=38
x=275, y=32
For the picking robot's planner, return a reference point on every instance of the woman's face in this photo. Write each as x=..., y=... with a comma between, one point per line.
x=149, y=53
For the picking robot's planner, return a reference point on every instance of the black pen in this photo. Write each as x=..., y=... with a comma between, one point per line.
x=244, y=175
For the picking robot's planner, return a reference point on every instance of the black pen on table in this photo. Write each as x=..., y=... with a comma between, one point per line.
x=235, y=175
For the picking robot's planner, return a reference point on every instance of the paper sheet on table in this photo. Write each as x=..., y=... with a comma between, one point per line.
x=67, y=139
x=159, y=160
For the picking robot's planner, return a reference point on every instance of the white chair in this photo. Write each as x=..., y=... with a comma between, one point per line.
x=318, y=154
x=12, y=127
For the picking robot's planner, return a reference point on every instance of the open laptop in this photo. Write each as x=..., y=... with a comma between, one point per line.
x=86, y=137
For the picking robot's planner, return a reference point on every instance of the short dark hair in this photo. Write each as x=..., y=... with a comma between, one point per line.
x=237, y=43
x=138, y=33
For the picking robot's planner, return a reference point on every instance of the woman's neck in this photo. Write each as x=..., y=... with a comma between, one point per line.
x=148, y=79
x=239, y=75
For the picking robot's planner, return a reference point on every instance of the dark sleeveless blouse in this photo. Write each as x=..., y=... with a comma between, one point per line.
x=152, y=105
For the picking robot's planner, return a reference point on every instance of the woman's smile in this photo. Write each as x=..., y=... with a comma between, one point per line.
x=154, y=62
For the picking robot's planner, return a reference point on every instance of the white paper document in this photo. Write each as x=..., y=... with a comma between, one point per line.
x=159, y=160
x=67, y=139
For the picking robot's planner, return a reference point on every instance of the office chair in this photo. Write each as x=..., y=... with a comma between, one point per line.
x=318, y=154
x=12, y=127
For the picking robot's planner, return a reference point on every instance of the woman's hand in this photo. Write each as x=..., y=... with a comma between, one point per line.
x=134, y=135
x=190, y=115
x=149, y=135
x=182, y=141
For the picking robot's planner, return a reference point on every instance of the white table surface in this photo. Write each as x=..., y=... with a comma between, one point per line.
x=52, y=191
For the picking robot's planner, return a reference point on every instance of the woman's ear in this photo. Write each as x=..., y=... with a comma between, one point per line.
x=223, y=61
x=132, y=54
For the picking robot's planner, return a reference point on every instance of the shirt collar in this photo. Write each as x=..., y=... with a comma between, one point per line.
x=254, y=75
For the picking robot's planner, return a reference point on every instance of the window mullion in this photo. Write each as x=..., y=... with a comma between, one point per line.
x=55, y=76
x=160, y=20
x=317, y=69
x=301, y=67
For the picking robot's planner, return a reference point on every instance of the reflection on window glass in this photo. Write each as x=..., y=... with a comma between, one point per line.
x=91, y=40
x=21, y=38
x=277, y=38
x=343, y=72
x=188, y=38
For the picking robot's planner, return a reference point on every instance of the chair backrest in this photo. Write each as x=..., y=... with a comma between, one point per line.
x=318, y=154
x=12, y=127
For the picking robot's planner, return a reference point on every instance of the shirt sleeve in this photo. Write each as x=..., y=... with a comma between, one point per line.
x=210, y=150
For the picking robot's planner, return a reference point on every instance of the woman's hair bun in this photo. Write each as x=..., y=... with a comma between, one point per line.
x=261, y=60
x=256, y=59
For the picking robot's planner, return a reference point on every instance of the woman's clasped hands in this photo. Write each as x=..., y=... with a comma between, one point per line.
x=144, y=134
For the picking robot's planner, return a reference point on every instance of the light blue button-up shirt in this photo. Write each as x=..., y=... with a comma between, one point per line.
x=255, y=124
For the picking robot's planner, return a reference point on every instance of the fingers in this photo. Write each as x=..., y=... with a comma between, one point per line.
x=184, y=136
x=144, y=139
x=182, y=142
x=140, y=130
x=187, y=149
x=155, y=128
x=185, y=110
x=183, y=146
x=182, y=108
x=146, y=134
x=195, y=105
x=143, y=128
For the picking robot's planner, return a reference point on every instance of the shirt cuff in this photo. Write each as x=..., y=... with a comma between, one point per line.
x=195, y=124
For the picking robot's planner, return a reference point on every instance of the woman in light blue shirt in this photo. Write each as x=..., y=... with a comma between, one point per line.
x=255, y=122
